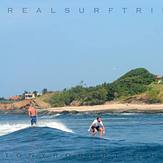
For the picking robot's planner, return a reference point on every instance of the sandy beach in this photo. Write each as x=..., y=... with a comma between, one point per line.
x=110, y=108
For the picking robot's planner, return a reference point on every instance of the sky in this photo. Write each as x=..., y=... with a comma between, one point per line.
x=57, y=51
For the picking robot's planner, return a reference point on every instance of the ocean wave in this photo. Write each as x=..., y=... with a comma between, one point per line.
x=54, y=124
x=53, y=145
x=127, y=114
x=7, y=128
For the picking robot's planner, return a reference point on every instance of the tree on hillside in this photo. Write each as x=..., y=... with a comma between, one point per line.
x=44, y=91
x=133, y=82
x=35, y=93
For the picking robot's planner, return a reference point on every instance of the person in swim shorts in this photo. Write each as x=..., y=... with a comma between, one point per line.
x=32, y=112
x=97, y=126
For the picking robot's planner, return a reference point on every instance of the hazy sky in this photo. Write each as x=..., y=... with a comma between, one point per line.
x=59, y=50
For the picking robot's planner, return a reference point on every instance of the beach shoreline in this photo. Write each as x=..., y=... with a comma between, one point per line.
x=104, y=108
x=110, y=108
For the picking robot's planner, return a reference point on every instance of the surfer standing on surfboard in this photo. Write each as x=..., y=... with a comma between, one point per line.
x=97, y=126
x=32, y=112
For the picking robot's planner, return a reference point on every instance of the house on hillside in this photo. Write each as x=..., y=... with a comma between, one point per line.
x=29, y=96
x=159, y=79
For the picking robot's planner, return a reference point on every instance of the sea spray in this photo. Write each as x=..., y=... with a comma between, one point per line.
x=54, y=124
x=7, y=128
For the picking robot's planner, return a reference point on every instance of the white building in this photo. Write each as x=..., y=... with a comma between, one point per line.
x=29, y=96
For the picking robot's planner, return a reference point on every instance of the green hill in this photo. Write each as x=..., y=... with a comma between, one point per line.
x=133, y=82
x=134, y=85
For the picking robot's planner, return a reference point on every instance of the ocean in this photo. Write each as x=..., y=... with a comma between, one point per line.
x=64, y=138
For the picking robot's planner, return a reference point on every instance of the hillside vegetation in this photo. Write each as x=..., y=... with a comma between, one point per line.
x=133, y=82
x=153, y=94
x=137, y=84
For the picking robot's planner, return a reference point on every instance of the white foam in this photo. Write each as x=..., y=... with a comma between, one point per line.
x=56, y=115
x=128, y=113
x=7, y=128
x=49, y=117
x=54, y=124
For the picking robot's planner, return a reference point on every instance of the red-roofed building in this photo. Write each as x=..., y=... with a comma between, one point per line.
x=14, y=98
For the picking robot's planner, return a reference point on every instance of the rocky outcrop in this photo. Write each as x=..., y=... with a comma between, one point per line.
x=21, y=105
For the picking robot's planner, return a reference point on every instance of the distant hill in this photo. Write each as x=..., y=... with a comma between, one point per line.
x=136, y=86
x=133, y=82
x=129, y=86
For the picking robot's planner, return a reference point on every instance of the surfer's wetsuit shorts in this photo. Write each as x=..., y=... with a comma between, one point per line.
x=33, y=120
x=95, y=127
